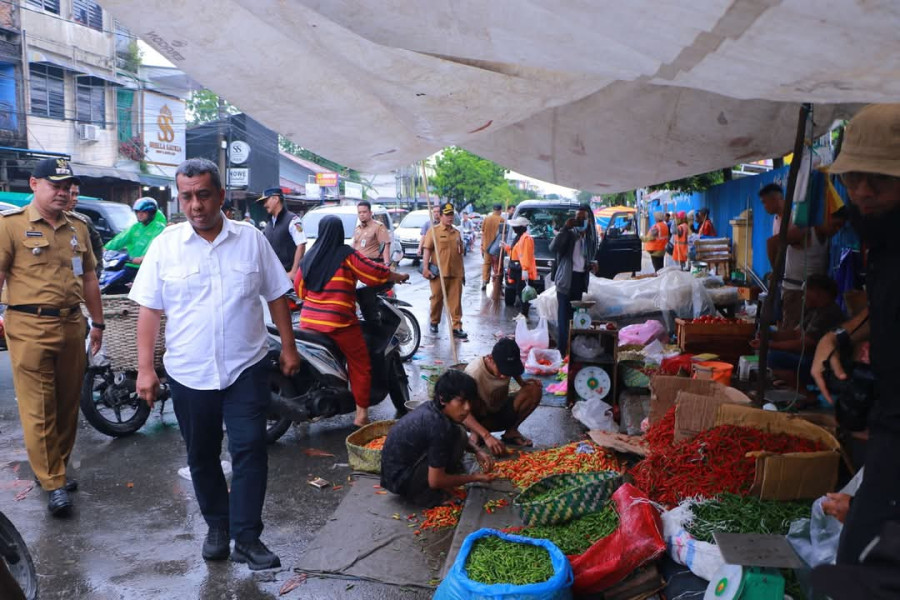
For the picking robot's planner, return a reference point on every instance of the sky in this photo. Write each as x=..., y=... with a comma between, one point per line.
x=546, y=188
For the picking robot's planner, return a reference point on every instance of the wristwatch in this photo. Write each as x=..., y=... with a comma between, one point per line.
x=96, y=325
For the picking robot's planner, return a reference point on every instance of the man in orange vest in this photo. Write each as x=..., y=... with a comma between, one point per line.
x=680, y=239
x=656, y=239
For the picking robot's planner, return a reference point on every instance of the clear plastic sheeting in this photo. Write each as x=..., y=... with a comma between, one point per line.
x=672, y=293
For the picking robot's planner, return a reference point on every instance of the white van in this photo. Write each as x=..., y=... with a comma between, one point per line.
x=347, y=213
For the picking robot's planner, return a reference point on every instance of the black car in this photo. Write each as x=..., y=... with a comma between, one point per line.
x=619, y=251
x=110, y=218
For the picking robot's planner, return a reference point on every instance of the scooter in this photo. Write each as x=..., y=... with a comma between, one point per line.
x=409, y=333
x=18, y=577
x=321, y=388
x=116, y=277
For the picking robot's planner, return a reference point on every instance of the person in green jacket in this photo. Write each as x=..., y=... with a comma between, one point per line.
x=136, y=239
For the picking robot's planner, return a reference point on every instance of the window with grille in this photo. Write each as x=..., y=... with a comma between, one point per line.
x=87, y=12
x=90, y=100
x=47, y=91
x=51, y=6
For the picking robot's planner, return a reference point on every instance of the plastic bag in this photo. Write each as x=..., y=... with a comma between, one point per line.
x=702, y=558
x=816, y=539
x=528, y=293
x=636, y=541
x=595, y=414
x=543, y=362
x=643, y=334
x=539, y=337
x=458, y=586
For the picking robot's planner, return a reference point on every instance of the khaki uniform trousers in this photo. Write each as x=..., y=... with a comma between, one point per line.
x=489, y=268
x=454, y=300
x=48, y=360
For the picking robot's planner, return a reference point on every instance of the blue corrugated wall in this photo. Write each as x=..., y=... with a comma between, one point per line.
x=728, y=200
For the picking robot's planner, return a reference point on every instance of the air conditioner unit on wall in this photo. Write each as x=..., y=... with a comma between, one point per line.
x=88, y=132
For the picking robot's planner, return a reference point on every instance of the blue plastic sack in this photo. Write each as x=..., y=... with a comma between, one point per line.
x=458, y=586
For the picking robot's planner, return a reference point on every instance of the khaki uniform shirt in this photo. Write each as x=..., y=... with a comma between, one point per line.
x=449, y=250
x=492, y=391
x=44, y=264
x=371, y=239
x=489, y=229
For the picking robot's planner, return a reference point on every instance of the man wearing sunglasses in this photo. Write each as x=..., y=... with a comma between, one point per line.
x=869, y=166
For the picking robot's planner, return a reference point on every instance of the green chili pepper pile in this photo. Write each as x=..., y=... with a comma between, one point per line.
x=494, y=560
x=553, y=492
x=729, y=513
x=576, y=536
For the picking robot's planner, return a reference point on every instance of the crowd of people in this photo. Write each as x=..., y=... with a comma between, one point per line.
x=216, y=337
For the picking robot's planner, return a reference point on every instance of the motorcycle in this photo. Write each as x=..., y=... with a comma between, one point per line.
x=321, y=388
x=116, y=277
x=18, y=577
x=468, y=239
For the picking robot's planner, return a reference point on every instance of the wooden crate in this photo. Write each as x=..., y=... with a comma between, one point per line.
x=729, y=341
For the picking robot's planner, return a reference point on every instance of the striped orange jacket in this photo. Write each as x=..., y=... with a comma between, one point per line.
x=334, y=307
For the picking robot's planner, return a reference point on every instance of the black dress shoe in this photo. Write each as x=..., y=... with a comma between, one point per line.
x=255, y=554
x=460, y=334
x=217, y=544
x=434, y=328
x=70, y=486
x=60, y=504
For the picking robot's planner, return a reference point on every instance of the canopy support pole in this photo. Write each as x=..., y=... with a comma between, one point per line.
x=765, y=319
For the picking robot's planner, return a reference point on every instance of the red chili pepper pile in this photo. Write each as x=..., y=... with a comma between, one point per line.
x=712, y=319
x=443, y=516
x=377, y=443
x=531, y=467
x=713, y=462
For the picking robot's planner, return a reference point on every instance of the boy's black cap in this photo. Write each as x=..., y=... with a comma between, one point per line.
x=506, y=357
x=55, y=169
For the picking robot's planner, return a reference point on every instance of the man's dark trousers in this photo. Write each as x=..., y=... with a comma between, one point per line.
x=242, y=406
x=564, y=310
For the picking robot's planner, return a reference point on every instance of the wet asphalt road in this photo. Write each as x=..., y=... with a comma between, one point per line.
x=136, y=530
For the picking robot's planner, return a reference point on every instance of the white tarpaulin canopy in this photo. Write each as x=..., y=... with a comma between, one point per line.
x=597, y=95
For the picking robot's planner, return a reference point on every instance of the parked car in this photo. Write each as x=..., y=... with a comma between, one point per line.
x=408, y=233
x=397, y=215
x=347, y=213
x=110, y=218
x=619, y=250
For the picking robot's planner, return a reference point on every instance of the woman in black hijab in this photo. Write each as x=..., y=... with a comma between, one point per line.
x=326, y=282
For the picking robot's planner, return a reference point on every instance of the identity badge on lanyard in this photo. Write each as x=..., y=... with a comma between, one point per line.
x=77, y=265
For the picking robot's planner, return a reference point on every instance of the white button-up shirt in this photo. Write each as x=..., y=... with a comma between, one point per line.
x=210, y=293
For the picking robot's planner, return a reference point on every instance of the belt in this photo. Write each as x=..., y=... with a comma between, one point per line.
x=45, y=311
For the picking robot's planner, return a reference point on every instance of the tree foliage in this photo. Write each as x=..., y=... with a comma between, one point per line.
x=620, y=199
x=461, y=177
x=695, y=183
x=584, y=196
x=202, y=106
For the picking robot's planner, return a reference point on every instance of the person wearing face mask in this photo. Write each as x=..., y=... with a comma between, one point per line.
x=522, y=267
x=575, y=247
x=869, y=167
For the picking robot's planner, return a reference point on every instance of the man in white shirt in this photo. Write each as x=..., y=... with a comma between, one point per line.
x=207, y=276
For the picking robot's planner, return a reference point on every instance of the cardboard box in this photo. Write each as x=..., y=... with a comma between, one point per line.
x=664, y=391
x=795, y=476
x=695, y=413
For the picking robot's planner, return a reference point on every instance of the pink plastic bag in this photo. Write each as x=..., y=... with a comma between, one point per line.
x=643, y=334
x=636, y=541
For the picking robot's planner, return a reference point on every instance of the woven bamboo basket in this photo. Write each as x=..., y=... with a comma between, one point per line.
x=120, y=336
x=584, y=493
x=366, y=459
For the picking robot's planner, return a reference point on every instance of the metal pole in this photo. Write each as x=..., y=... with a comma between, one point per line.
x=437, y=259
x=778, y=268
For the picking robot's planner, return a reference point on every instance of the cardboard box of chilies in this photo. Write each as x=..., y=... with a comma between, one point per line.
x=701, y=405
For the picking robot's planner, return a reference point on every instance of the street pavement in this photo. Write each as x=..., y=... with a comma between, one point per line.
x=136, y=530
